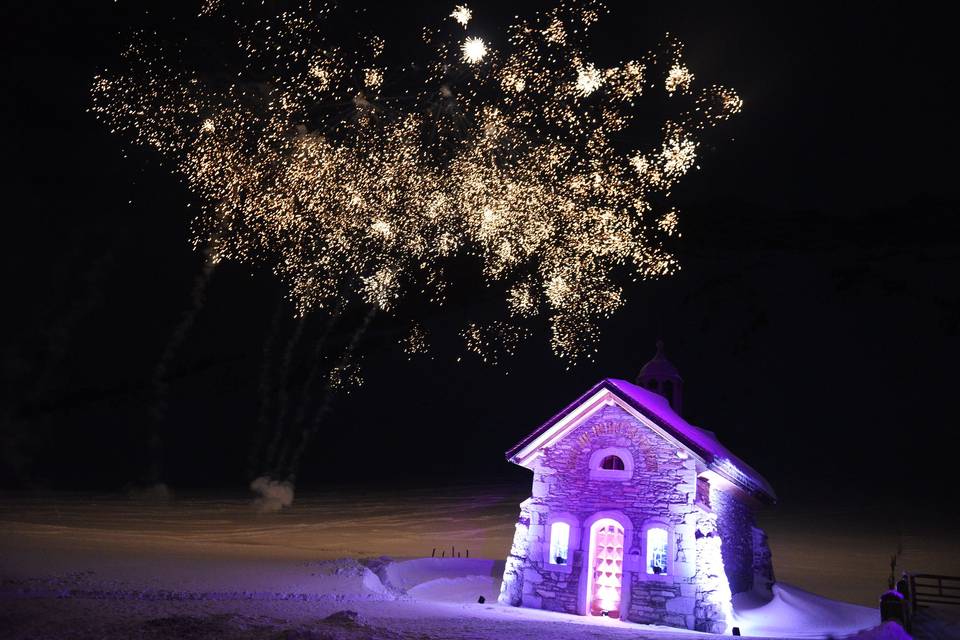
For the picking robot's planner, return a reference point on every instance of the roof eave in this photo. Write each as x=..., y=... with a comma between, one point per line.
x=536, y=433
x=750, y=486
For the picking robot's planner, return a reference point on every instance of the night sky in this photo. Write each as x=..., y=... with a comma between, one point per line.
x=815, y=320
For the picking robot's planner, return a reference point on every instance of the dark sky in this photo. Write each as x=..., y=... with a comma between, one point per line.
x=815, y=320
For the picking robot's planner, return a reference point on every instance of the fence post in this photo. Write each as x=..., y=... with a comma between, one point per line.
x=893, y=607
x=903, y=586
x=913, y=595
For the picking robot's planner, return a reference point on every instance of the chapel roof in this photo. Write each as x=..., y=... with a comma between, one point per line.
x=657, y=409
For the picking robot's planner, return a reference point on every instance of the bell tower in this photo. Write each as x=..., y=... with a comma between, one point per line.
x=660, y=376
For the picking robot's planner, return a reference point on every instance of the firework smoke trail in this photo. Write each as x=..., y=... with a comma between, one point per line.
x=316, y=362
x=290, y=466
x=265, y=389
x=283, y=393
x=198, y=295
x=515, y=156
x=15, y=401
x=262, y=464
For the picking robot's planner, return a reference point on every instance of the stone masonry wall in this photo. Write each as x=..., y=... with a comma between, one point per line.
x=667, y=603
x=511, y=588
x=735, y=526
x=662, y=489
x=763, y=577
x=713, y=610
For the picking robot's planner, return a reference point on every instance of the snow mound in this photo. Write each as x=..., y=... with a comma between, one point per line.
x=795, y=613
x=465, y=589
x=445, y=579
x=346, y=577
x=345, y=618
x=886, y=631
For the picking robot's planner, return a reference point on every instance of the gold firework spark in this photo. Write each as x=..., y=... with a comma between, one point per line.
x=355, y=183
x=474, y=50
x=462, y=14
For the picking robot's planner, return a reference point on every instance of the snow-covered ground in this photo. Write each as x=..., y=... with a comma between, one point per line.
x=794, y=612
x=202, y=567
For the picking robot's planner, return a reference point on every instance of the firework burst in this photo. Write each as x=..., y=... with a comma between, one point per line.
x=357, y=176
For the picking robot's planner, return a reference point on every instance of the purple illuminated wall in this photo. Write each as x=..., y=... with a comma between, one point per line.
x=735, y=523
x=657, y=488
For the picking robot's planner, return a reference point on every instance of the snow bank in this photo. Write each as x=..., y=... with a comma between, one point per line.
x=886, y=631
x=444, y=579
x=465, y=589
x=406, y=574
x=346, y=578
x=795, y=613
x=792, y=613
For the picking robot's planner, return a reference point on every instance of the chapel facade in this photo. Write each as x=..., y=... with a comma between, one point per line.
x=635, y=513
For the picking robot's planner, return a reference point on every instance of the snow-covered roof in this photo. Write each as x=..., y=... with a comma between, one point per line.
x=657, y=410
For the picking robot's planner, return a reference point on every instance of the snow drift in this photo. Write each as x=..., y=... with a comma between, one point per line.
x=795, y=613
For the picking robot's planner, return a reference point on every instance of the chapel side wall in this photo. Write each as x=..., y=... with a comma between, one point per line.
x=511, y=586
x=763, y=576
x=735, y=524
x=662, y=489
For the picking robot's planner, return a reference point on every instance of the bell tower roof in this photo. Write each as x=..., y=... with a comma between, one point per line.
x=660, y=376
x=658, y=368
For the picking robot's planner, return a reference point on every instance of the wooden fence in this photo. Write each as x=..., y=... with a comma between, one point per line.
x=928, y=588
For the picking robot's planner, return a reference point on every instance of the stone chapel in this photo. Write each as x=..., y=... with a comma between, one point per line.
x=635, y=513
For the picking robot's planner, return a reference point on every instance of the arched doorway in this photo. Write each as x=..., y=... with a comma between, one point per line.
x=605, y=577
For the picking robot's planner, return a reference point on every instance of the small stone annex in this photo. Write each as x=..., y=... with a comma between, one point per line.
x=635, y=513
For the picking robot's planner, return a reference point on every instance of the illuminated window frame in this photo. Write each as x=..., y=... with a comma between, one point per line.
x=559, y=543
x=645, y=550
x=597, y=472
x=573, y=541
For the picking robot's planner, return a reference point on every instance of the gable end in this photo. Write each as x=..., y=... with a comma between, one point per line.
x=607, y=391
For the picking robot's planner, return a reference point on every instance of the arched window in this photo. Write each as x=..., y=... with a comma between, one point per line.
x=658, y=543
x=559, y=542
x=613, y=463
x=561, y=537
